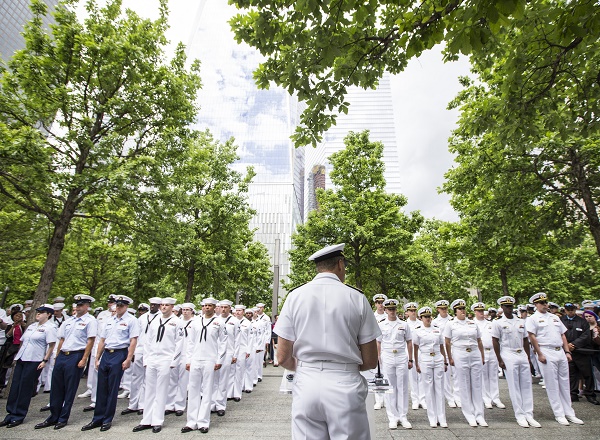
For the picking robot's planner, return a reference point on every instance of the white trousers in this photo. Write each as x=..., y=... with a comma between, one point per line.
x=395, y=369
x=238, y=376
x=126, y=380
x=155, y=394
x=258, y=365
x=329, y=403
x=138, y=373
x=456, y=385
x=518, y=378
x=556, y=378
x=219, y=396
x=201, y=383
x=491, y=393
x=469, y=375
x=417, y=394
x=92, y=379
x=46, y=376
x=432, y=379
x=178, y=384
x=249, y=373
x=449, y=385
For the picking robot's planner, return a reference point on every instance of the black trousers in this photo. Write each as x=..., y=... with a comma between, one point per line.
x=581, y=368
x=24, y=383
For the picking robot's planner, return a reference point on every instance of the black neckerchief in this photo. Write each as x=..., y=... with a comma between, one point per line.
x=186, y=327
x=150, y=321
x=161, y=329
x=205, y=327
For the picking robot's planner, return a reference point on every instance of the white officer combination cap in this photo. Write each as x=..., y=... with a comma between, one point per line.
x=478, y=306
x=19, y=307
x=506, y=301
x=58, y=306
x=155, y=300
x=48, y=308
x=522, y=308
x=83, y=299
x=391, y=303
x=131, y=311
x=58, y=299
x=240, y=307
x=587, y=304
x=441, y=303
x=492, y=309
x=458, y=303
x=553, y=304
x=425, y=311
x=411, y=306
x=111, y=298
x=98, y=309
x=335, y=250
x=123, y=300
x=379, y=297
x=143, y=306
x=225, y=302
x=168, y=301
x=540, y=296
x=210, y=301
x=188, y=306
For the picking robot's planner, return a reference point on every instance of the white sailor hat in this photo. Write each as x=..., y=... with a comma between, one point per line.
x=188, y=306
x=29, y=302
x=58, y=306
x=413, y=306
x=155, y=300
x=425, y=311
x=225, y=302
x=83, y=299
x=379, y=297
x=59, y=299
x=506, y=301
x=177, y=307
x=131, y=311
x=441, y=303
x=252, y=310
x=530, y=306
x=259, y=305
x=210, y=301
x=123, y=300
x=391, y=303
x=111, y=298
x=16, y=306
x=553, y=304
x=47, y=308
x=522, y=308
x=478, y=306
x=458, y=303
x=168, y=301
x=335, y=250
x=587, y=304
x=240, y=307
x=143, y=306
x=492, y=309
x=540, y=296
x=98, y=309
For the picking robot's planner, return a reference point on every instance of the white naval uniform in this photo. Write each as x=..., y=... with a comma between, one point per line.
x=245, y=347
x=394, y=364
x=138, y=372
x=511, y=334
x=469, y=368
x=92, y=380
x=180, y=377
x=259, y=349
x=265, y=321
x=431, y=362
x=379, y=317
x=548, y=329
x=162, y=350
x=46, y=376
x=491, y=392
x=327, y=321
x=417, y=392
x=206, y=348
x=223, y=374
x=451, y=395
x=250, y=370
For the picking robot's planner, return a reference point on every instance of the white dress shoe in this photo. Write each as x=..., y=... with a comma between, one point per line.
x=433, y=425
x=87, y=393
x=575, y=420
x=415, y=405
x=123, y=395
x=562, y=421
x=533, y=423
x=458, y=404
x=393, y=424
x=488, y=406
x=405, y=424
x=443, y=425
x=424, y=405
x=377, y=405
x=452, y=404
x=482, y=422
x=522, y=422
x=473, y=423
x=500, y=405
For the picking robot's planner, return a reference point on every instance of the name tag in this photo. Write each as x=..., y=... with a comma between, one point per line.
x=41, y=330
x=172, y=324
x=81, y=325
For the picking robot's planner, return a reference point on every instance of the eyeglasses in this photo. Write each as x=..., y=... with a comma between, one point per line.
x=379, y=301
x=543, y=302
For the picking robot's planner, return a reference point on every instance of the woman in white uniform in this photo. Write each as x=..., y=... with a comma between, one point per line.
x=465, y=351
x=393, y=345
x=431, y=364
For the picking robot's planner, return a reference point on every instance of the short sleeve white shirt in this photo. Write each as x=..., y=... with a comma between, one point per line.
x=462, y=333
x=34, y=343
x=509, y=332
x=547, y=328
x=76, y=332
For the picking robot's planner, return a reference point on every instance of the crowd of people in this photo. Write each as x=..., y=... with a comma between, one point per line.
x=457, y=361
x=166, y=359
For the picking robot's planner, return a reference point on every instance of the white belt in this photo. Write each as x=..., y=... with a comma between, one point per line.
x=325, y=365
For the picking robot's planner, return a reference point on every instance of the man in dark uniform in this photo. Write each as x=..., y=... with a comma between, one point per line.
x=579, y=339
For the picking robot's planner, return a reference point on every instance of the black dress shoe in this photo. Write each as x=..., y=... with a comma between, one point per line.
x=45, y=408
x=248, y=391
x=91, y=425
x=236, y=399
x=139, y=428
x=203, y=430
x=186, y=429
x=574, y=398
x=44, y=424
x=179, y=413
x=60, y=425
x=89, y=408
x=592, y=400
x=4, y=423
x=106, y=427
x=128, y=411
x=156, y=429
x=259, y=379
x=221, y=412
x=14, y=423
x=140, y=412
x=169, y=411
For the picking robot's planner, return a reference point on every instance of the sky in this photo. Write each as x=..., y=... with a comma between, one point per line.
x=421, y=94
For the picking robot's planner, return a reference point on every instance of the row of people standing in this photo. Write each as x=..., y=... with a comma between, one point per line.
x=457, y=360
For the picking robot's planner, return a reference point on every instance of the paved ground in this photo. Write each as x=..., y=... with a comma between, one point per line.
x=265, y=414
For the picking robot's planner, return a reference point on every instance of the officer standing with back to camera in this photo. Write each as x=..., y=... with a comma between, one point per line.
x=327, y=333
x=115, y=352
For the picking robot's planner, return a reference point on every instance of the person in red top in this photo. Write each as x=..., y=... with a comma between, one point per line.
x=14, y=332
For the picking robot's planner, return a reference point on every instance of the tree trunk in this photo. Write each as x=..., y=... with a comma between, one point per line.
x=504, y=280
x=591, y=211
x=190, y=281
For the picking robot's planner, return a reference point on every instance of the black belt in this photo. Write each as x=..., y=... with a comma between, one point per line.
x=116, y=350
x=68, y=353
